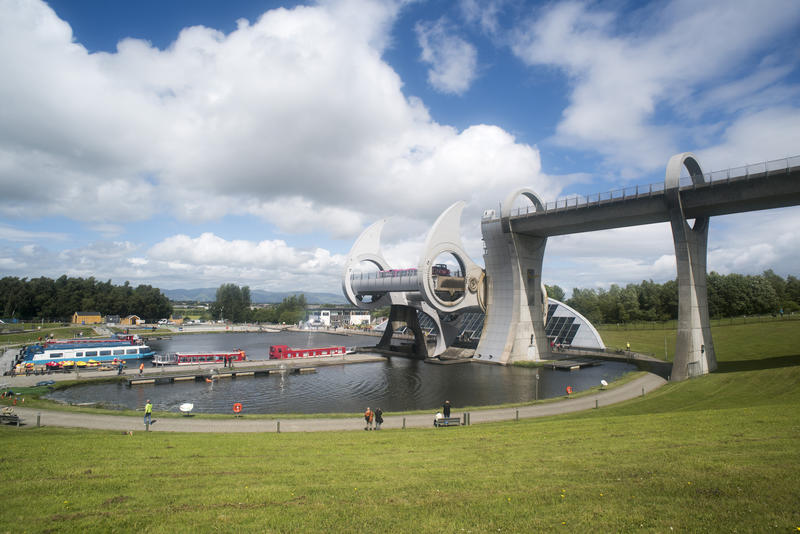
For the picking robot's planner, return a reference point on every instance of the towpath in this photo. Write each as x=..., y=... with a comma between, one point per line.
x=643, y=385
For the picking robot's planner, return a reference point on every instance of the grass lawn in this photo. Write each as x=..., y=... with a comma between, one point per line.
x=35, y=333
x=717, y=453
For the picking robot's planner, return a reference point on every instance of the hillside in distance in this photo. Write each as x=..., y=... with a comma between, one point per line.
x=257, y=296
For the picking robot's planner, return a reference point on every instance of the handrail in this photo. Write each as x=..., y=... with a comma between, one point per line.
x=747, y=172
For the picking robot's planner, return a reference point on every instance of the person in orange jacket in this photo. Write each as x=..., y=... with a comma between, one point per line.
x=368, y=417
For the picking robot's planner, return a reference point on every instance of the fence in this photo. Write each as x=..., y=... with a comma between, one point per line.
x=747, y=172
x=673, y=324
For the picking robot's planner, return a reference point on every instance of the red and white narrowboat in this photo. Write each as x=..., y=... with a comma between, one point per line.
x=196, y=358
x=283, y=352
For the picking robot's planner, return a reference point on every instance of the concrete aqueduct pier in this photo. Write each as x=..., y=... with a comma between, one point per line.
x=510, y=289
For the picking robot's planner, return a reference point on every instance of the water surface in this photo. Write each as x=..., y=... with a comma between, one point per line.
x=398, y=384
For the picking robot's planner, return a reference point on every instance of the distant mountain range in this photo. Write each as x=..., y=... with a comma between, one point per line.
x=257, y=296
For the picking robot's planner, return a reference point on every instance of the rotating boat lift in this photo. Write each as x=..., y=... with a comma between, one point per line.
x=442, y=298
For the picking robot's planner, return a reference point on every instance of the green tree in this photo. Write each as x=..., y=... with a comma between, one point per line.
x=555, y=292
x=761, y=294
x=291, y=310
x=587, y=303
x=232, y=303
x=649, y=295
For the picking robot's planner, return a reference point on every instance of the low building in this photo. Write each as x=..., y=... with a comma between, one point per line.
x=176, y=319
x=131, y=320
x=336, y=317
x=112, y=319
x=87, y=318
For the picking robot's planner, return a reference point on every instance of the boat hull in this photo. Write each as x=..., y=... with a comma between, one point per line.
x=283, y=352
x=100, y=351
x=199, y=358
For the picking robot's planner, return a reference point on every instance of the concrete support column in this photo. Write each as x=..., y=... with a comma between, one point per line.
x=694, y=349
x=530, y=341
x=515, y=311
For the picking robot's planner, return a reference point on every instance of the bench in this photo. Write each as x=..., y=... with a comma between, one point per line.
x=7, y=416
x=447, y=421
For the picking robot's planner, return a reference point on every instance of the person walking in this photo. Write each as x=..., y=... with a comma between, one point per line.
x=378, y=418
x=446, y=408
x=119, y=368
x=141, y=368
x=148, y=413
x=368, y=415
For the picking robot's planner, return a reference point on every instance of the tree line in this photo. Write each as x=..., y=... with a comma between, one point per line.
x=730, y=295
x=233, y=304
x=57, y=300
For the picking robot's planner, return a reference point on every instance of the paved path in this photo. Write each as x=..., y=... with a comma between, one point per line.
x=646, y=383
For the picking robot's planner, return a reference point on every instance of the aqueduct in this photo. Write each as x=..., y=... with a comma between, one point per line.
x=510, y=288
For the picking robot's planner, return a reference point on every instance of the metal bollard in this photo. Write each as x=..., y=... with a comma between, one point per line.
x=642, y=391
x=404, y=423
x=147, y=427
x=38, y=419
x=596, y=404
x=517, y=415
x=279, y=427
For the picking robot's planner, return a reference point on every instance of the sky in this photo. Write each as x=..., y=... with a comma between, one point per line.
x=191, y=143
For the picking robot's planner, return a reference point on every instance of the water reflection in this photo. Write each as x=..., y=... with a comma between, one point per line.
x=397, y=384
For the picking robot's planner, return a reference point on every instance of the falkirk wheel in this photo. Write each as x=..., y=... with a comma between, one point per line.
x=441, y=295
x=509, y=291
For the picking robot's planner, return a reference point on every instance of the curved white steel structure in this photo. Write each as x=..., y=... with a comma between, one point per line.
x=409, y=290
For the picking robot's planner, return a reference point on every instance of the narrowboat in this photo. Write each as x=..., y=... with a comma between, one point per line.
x=56, y=353
x=283, y=352
x=197, y=358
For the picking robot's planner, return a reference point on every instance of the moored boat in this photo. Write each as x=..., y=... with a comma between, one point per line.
x=85, y=352
x=196, y=358
x=283, y=352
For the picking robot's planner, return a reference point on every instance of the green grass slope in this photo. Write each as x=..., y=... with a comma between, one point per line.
x=714, y=454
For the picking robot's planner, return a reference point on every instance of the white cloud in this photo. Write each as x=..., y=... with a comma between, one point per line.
x=210, y=250
x=484, y=13
x=267, y=264
x=183, y=261
x=292, y=117
x=754, y=138
x=9, y=233
x=616, y=256
x=453, y=60
x=753, y=242
x=639, y=85
x=746, y=243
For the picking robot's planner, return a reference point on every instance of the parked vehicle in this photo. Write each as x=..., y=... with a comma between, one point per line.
x=440, y=269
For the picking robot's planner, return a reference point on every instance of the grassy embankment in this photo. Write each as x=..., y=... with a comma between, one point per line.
x=31, y=332
x=21, y=334
x=717, y=453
